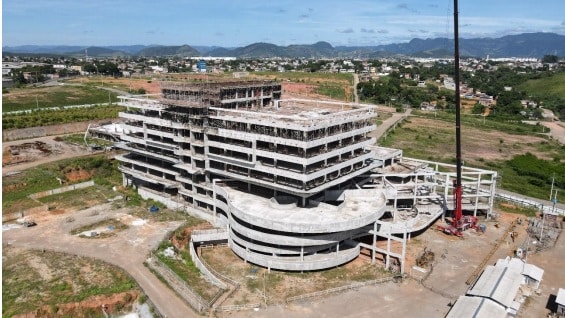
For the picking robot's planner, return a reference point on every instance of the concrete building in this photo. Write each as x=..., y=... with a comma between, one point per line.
x=293, y=184
x=560, y=301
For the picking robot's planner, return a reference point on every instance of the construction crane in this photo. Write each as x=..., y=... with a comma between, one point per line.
x=458, y=223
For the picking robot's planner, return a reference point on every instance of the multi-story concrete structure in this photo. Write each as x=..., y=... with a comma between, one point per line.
x=294, y=183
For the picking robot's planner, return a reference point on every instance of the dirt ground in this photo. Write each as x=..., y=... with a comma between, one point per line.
x=127, y=249
x=32, y=152
x=480, y=145
x=27, y=264
x=455, y=261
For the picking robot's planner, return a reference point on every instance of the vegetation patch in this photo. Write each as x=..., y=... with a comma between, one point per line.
x=29, y=98
x=80, y=140
x=488, y=148
x=42, y=282
x=38, y=118
x=505, y=206
x=102, y=229
x=183, y=266
x=16, y=188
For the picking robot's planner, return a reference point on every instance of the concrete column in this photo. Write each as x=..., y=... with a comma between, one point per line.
x=374, y=243
x=402, y=261
x=477, y=195
x=254, y=151
x=387, y=264
x=337, y=249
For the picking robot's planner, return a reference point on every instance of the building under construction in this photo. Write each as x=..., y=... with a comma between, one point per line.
x=291, y=184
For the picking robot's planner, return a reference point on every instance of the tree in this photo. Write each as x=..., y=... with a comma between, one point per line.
x=550, y=59
x=478, y=108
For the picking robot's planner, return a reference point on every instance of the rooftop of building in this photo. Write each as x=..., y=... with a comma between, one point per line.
x=214, y=86
x=300, y=110
x=357, y=207
x=499, y=284
x=478, y=307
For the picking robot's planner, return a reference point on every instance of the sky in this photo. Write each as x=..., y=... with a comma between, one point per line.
x=234, y=23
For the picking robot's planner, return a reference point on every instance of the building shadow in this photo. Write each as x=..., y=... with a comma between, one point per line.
x=551, y=304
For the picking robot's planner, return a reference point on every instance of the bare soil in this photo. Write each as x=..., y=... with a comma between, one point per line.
x=455, y=260
x=480, y=144
x=33, y=152
x=57, y=275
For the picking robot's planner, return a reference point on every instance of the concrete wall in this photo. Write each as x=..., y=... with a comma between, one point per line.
x=307, y=264
x=62, y=189
x=21, y=214
x=213, y=279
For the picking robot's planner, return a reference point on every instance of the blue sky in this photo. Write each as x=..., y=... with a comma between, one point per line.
x=232, y=23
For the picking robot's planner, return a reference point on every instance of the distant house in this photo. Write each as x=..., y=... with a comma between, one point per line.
x=201, y=66
x=427, y=106
x=449, y=83
x=486, y=100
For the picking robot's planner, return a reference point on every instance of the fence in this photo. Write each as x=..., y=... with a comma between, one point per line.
x=203, y=269
x=342, y=288
x=527, y=202
x=179, y=285
x=236, y=307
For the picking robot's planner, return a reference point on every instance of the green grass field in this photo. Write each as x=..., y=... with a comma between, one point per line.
x=308, y=77
x=554, y=85
x=53, y=96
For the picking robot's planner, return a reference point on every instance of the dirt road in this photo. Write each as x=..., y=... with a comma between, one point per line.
x=557, y=130
x=388, y=123
x=128, y=249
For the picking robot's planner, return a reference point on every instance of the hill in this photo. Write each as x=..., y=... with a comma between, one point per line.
x=95, y=51
x=519, y=45
x=183, y=50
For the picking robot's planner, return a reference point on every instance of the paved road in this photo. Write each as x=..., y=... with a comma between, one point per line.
x=128, y=249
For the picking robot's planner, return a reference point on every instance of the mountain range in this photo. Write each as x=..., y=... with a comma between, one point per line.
x=519, y=45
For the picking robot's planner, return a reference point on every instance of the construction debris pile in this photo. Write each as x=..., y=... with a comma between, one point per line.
x=543, y=232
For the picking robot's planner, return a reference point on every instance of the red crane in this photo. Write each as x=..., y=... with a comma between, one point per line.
x=458, y=223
